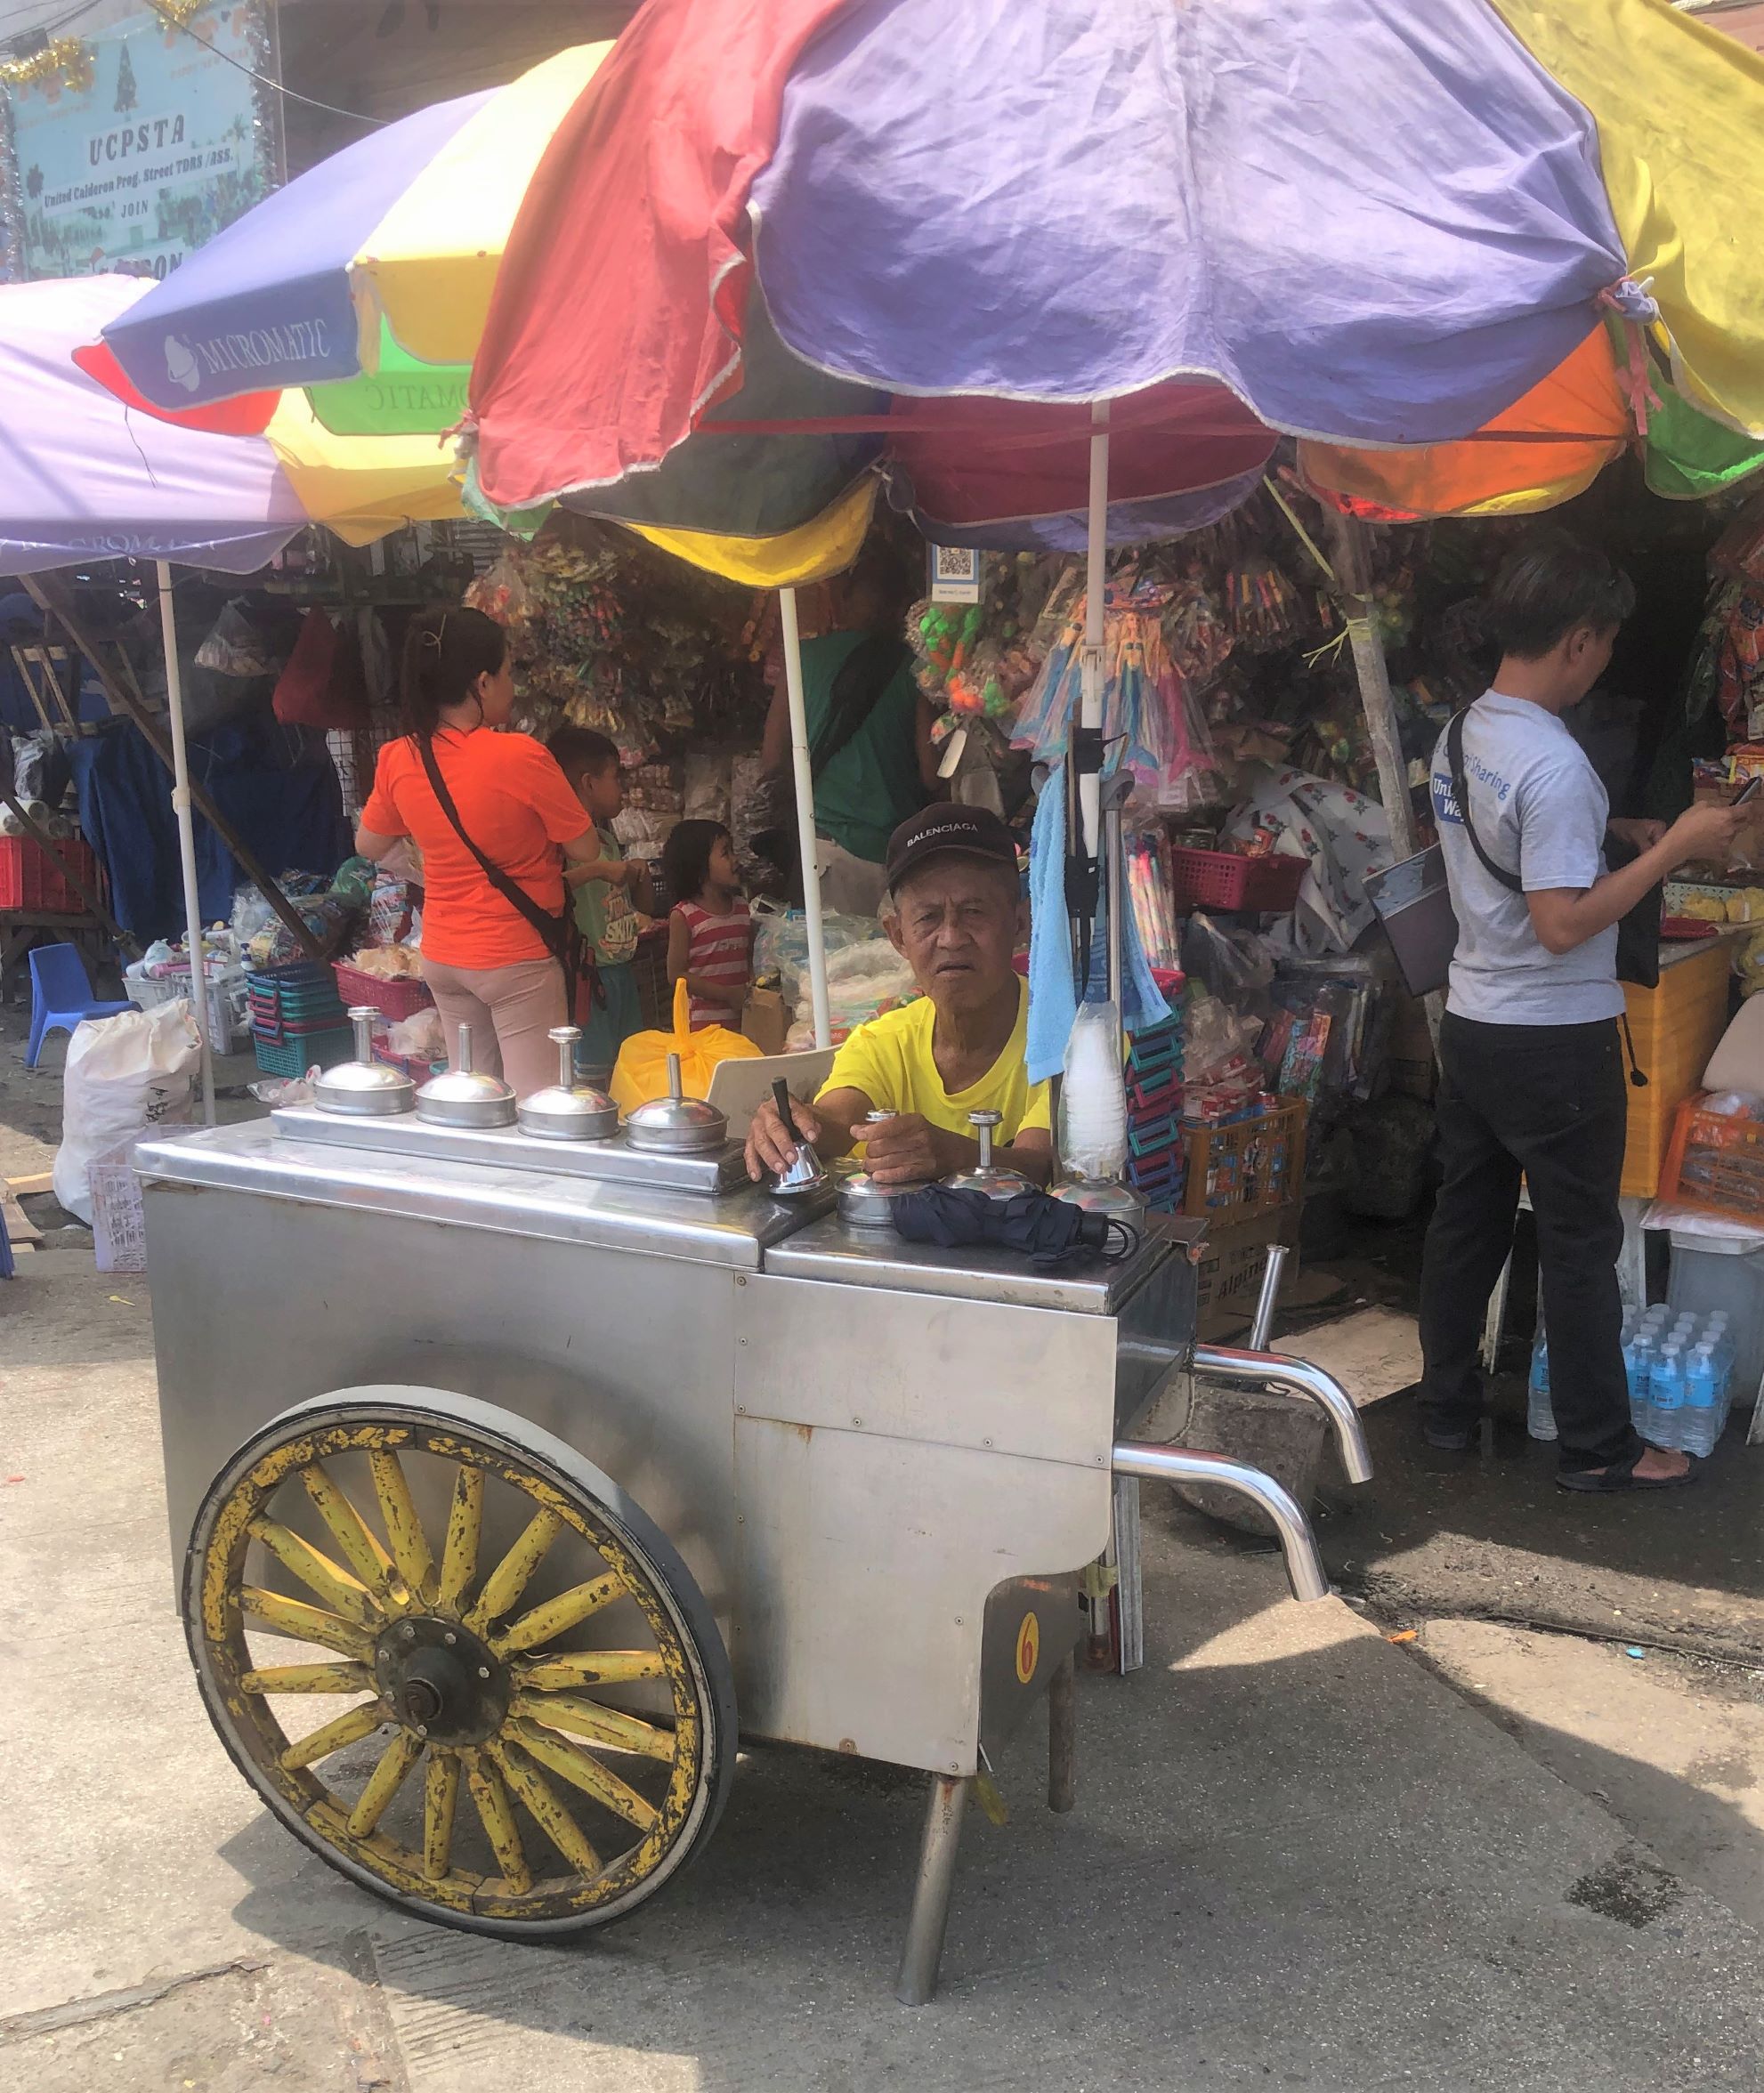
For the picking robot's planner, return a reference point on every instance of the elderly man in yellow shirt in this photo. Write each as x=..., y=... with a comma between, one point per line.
x=954, y=912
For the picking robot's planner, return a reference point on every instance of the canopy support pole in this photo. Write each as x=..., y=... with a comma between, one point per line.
x=121, y=699
x=803, y=775
x=1350, y=549
x=186, y=820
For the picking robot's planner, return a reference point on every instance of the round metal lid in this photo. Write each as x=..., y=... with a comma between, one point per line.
x=465, y=1096
x=682, y=1123
x=580, y=1113
x=364, y=1088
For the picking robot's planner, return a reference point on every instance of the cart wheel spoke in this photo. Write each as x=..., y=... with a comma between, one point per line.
x=464, y=1525
x=384, y=1782
x=347, y=1729
x=510, y=1578
x=310, y=1624
x=598, y=1725
x=441, y=1797
x=573, y=1670
x=568, y=1610
x=309, y=1678
x=585, y=1772
x=547, y=1808
x=359, y=1543
x=328, y=1579
x=404, y=1528
x=498, y=1816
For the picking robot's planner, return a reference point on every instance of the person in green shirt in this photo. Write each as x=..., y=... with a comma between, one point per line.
x=605, y=907
x=868, y=734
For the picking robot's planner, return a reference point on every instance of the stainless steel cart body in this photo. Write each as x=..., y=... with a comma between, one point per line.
x=885, y=1467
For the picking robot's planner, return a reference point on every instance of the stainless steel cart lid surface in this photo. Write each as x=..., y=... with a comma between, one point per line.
x=831, y=1249
x=559, y=1204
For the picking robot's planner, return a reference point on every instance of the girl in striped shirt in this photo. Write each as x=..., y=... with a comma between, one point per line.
x=709, y=931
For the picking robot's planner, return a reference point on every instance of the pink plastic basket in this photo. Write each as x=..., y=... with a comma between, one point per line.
x=392, y=998
x=1223, y=880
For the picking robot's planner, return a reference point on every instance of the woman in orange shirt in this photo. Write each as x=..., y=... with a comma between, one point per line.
x=489, y=963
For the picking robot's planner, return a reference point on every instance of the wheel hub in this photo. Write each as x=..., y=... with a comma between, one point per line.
x=440, y=1680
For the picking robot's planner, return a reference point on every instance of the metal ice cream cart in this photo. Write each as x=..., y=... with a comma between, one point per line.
x=571, y=1462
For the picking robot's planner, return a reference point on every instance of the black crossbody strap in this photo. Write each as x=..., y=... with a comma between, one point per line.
x=557, y=931
x=1454, y=754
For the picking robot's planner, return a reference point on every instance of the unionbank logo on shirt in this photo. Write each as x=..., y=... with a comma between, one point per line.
x=1445, y=807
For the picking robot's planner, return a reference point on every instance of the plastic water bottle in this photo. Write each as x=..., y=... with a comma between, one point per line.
x=1540, y=1417
x=1666, y=1397
x=1702, y=1418
x=1639, y=1366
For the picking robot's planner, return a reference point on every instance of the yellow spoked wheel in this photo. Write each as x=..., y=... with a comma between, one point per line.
x=513, y=1711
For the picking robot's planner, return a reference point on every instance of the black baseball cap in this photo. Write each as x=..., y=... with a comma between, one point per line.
x=948, y=831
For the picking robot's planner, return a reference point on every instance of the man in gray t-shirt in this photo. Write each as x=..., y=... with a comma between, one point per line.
x=1530, y=1071
x=1540, y=812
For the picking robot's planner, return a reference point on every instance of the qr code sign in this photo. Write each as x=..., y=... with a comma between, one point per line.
x=955, y=574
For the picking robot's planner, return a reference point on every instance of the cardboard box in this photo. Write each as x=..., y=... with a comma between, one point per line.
x=1232, y=1259
x=766, y=1019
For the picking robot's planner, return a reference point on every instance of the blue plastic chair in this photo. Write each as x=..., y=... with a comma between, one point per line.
x=60, y=995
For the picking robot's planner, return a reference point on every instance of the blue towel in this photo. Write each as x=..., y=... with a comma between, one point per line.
x=1053, y=1000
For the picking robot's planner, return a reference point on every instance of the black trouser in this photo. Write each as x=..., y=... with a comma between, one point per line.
x=1547, y=1101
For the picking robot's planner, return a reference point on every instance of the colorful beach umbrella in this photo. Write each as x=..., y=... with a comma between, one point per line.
x=367, y=278
x=770, y=244
x=83, y=477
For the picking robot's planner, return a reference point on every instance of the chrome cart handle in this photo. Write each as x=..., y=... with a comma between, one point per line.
x=1304, y=1571
x=1296, y=1377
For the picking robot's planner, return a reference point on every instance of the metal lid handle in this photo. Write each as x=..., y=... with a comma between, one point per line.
x=362, y=1015
x=566, y=1036
x=676, y=1089
x=983, y=1123
x=464, y=1065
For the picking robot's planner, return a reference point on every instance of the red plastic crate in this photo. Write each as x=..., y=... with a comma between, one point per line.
x=394, y=999
x=1223, y=880
x=30, y=878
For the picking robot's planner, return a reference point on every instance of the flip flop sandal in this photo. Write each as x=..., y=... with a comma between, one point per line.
x=1619, y=1476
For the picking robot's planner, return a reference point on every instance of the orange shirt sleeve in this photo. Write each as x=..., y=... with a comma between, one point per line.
x=380, y=814
x=539, y=779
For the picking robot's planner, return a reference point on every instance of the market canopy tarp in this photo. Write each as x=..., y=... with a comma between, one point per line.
x=376, y=266
x=83, y=477
x=1353, y=220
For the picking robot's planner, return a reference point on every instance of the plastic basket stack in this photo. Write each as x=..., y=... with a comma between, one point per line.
x=1156, y=1155
x=298, y=1020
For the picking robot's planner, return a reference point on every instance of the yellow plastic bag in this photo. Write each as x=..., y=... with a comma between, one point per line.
x=640, y=1071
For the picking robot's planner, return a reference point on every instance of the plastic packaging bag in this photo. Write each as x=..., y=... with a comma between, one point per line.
x=1093, y=1095
x=419, y=1037
x=780, y=943
x=124, y=1074
x=640, y=1071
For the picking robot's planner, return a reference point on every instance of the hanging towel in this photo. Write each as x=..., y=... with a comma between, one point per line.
x=1053, y=1001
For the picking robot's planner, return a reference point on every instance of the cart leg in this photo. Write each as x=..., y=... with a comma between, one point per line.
x=924, y=1950
x=1063, y=1736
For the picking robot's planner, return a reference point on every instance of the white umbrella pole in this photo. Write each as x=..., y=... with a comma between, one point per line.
x=186, y=820
x=1096, y=592
x=805, y=781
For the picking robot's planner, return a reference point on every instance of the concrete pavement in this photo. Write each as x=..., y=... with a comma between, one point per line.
x=1299, y=1858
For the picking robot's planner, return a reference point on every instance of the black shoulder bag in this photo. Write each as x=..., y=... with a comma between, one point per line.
x=562, y=938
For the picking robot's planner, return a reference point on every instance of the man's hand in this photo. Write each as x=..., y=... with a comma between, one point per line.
x=771, y=1147
x=1707, y=833
x=1640, y=835
x=906, y=1150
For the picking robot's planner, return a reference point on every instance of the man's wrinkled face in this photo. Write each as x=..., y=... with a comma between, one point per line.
x=958, y=926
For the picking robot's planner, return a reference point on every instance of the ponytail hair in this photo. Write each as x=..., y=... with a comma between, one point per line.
x=445, y=652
